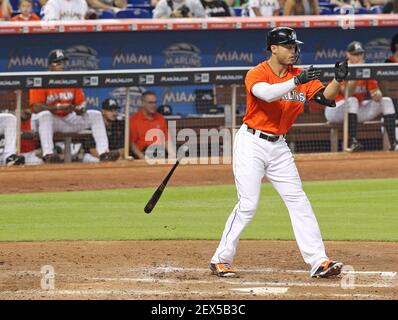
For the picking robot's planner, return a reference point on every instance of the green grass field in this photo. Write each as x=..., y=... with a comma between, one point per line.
x=346, y=210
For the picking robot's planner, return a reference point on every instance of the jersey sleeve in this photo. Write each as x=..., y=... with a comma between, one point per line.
x=37, y=96
x=312, y=88
x=254, y=76
x=79, y=96
x=372, y=85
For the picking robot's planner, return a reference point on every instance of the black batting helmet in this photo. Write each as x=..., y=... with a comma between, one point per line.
x=283, y=35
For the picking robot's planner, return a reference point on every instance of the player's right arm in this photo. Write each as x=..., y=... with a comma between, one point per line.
x=37, y=101
x=273, y=92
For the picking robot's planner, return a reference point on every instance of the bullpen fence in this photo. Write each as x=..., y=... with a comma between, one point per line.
x=218, y=107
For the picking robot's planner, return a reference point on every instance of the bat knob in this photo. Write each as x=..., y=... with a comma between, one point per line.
x=148, y=209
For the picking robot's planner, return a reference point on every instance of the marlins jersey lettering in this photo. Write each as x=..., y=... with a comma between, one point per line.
x=51, y=97
x=278, y=116
x=362, y=88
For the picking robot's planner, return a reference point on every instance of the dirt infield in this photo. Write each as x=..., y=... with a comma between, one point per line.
x=179, y=269
x=137, y=174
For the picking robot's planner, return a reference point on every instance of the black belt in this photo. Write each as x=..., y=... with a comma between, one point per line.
x=263, y=135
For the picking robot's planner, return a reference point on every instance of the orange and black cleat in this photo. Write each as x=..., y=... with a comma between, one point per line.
x=328, y=269
x=222, y=269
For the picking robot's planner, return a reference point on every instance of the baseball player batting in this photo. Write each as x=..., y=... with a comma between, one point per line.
x=275, y=95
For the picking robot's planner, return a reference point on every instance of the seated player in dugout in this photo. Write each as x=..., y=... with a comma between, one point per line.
x=64, y=110
x=365, y=103
x=146, y=119
x=114, y=130
x=8, y=129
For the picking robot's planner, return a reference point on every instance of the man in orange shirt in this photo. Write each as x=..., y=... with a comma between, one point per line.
x=146, y=119
x=365, y=103
x=275, y=95
x=64, y=110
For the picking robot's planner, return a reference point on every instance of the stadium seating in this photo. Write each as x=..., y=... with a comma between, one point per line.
x=238, y=11
x=327, y=4
x=325, y=11
x=14, y=4
x=376, y=9
x=344, y=10
x=135, y=13
x=139, y=3
x=107, y=14
x=361, y=11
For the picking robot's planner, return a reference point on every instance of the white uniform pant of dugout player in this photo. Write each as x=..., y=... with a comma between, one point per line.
x=253, y=158
x=366, y=110
x=47, y=123
x=8, y=128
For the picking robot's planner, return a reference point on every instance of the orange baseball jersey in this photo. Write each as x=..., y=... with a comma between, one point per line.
x=278, y=116
x=50, y=97
x=362, y=88
x=139, y=125
x=20, y=17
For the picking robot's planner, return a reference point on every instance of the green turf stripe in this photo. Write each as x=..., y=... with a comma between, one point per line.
x=346, y=210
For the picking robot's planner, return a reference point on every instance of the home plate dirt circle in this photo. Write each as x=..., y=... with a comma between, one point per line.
x=163, y=270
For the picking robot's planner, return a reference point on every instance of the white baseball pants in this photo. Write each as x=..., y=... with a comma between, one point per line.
x=8, y=128
x=366, y=110
x=47, y=123
x=253, y=158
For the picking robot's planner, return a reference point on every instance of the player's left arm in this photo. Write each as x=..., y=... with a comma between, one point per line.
x=79, y=106
x=373, y=87
x=340, y=74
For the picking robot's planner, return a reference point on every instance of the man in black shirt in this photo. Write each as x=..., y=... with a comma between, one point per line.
x=216, y=8
x=114, y=130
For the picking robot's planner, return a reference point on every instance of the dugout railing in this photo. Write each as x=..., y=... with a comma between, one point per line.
x=228, y=84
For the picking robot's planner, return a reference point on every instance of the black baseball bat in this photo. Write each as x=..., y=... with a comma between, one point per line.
x=158, y=192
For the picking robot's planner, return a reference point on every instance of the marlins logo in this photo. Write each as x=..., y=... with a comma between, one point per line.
x=81, y=58
x=182, y=55
x=377, y=50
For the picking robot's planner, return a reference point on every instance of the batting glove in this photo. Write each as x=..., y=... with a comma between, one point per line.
x=307, y=75
x=341, y=70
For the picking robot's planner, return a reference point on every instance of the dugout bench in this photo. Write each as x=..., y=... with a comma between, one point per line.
x=68, y=139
